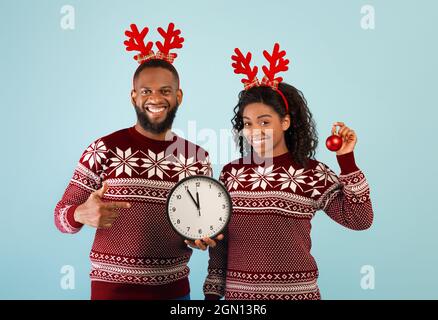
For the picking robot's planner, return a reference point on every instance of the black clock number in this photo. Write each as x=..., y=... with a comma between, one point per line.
x=178, y=221
x=178, y=196
x=200, y=231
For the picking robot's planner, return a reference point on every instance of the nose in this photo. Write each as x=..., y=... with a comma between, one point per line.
x=155, y=97
x=257, y=131
x=254, y=132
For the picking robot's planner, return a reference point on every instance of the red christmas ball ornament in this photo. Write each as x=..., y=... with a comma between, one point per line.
x=334, y=142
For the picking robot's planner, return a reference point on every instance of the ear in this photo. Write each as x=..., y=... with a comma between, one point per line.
x=179, y=96
x=285, y=122
x=133, y=96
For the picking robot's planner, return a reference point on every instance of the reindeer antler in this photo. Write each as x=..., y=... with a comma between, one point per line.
x=277, y=63
x=172, y=40
x=136, y=41
x=242, y=66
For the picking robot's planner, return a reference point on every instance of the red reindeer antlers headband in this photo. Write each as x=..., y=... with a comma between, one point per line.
x=171, y=37
x=277, y=63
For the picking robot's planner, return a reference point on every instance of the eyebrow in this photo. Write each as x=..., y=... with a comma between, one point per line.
x=165, y=87
x=261, y=116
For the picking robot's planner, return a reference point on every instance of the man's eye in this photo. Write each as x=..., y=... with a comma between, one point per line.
x=145, y=91
x=166, y=92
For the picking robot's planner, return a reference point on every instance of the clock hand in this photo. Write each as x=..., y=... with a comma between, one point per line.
x=199, y=205
x=191, y=196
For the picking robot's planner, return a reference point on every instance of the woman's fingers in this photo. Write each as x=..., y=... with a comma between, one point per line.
x=220, y=237
x=191, y=244
x=351, y=135
x=343, y=132
x=197, y=244
x=200, y=244
x=203, y=244
x=333, y=129
x=337, y=124
x=209, y=242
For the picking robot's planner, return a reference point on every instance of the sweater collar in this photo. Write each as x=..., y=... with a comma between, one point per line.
x=148, y=141
x=280, y=159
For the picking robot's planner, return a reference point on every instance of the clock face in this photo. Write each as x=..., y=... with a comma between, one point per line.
x=198, y=207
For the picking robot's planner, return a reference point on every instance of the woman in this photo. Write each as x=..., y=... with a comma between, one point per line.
x=276, y=189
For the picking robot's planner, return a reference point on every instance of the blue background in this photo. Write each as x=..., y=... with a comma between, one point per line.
x=62, y=89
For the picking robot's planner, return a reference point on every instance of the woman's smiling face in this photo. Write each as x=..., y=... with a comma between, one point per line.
x=264, y=129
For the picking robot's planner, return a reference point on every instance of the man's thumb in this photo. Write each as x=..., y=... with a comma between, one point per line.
x=102, y=190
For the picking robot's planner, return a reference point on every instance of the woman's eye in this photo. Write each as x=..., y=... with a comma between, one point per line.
x=264, y=123
x=246, y=124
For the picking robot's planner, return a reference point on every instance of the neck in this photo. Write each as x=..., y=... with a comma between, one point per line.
x=151, y=135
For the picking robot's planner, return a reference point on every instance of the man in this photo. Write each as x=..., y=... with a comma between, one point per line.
x=120, y=187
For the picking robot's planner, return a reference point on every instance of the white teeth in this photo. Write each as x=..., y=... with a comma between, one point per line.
x=155, y=109
x=258, y=140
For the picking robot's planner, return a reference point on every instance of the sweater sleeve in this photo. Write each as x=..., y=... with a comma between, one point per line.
x=347, y=198
x=87, y=178
x=214, y=285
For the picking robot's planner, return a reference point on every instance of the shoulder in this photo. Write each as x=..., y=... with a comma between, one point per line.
x=109, y=139
x=316, y=166
x=102, y=143
x=116, y=136
x=321, y=175
x=95, y=154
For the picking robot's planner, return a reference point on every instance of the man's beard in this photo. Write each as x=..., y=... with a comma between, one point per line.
x=159, y=127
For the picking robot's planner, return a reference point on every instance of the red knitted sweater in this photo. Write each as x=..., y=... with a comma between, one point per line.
x=266, y=250
x=128, y=260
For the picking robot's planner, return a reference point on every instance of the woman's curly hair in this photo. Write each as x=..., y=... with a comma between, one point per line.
x=301, y=137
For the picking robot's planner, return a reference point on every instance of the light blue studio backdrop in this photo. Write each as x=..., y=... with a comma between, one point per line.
x=61, y=89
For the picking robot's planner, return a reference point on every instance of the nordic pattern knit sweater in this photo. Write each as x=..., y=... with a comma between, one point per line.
x=140, y=256
x=266, y=252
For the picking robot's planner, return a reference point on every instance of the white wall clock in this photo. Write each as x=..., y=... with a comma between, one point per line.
x=198, y=207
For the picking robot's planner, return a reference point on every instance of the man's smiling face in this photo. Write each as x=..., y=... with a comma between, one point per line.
x=156, y=97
